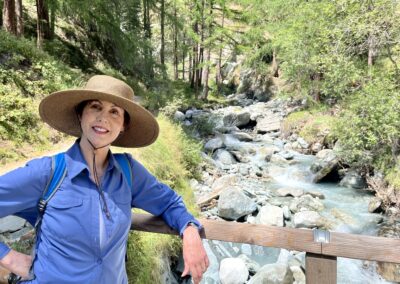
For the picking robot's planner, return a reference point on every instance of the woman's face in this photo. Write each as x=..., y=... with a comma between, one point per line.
x=101, y=122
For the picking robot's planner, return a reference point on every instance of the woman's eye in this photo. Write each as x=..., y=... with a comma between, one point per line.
x=95, y=106
x=115, y=112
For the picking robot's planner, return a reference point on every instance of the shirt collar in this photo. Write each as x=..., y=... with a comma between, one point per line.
x=76, y=163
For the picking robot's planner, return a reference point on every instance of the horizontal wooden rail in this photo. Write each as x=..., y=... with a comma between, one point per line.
x=342, y=245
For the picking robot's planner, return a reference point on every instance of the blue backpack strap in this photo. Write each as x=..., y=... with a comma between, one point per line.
x=124, y=164
x=58, y=172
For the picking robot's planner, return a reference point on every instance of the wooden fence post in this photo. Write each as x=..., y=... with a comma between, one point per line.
x=320, y=269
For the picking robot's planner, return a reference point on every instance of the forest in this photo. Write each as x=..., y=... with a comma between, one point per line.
x=339, y=60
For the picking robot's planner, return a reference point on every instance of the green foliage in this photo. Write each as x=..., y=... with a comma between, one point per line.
x=370, y=125
x=18, y=120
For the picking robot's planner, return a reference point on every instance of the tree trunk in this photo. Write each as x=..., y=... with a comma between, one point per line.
x=176, y=62
x=162, y=50
x=43, y=25
x=201, y=49
x=147, y=35
x=9, y=17
x=19, y=18
x=206, y=75
x=218, y=75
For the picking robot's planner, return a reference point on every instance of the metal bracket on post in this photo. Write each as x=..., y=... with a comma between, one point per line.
x=321, y=236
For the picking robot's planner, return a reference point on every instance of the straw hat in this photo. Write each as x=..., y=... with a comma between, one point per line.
x=58, y=110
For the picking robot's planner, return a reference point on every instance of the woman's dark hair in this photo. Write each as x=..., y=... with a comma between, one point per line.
x=79, y=110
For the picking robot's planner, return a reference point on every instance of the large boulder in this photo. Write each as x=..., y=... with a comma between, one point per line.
x=275, y=273
x=325, y=163
x=233, y=271
x=240, y=118
x=270, y=215
x=233, y=204
x=214, y=144
x=306, y=202
x=307, y=219
x=224, y=157
x=353, y=179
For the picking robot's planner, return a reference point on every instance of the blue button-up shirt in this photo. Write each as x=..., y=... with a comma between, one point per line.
x=75, y=245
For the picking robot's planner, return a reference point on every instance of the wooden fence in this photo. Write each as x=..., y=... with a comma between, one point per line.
x=322, y=247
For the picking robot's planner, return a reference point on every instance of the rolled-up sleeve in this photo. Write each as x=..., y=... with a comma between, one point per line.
x=20, y=191
x=159, y=199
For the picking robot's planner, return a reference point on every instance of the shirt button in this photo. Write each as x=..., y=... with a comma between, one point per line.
x=99, y=261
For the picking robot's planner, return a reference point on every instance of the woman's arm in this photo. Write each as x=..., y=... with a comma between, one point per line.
x=20, y=191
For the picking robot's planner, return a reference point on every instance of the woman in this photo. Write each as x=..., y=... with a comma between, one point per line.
x=85, y=226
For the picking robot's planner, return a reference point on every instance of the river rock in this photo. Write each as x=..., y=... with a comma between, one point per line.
x=214, y=144
x=251, y=265
x=11, y=224
x=239, y=118
x=317, y=194
x=278, y=160
x=298, y=275
x=290, y=191
x=389, y=271
x=303, y=143
x=288, y=155
x=275, y=273
x=306, y=202
x=352, y=179
x=307, y=219
x=242, y=136
x=374, y=205
x=239, y=156
x=224, y=157
x=316, y=147
x=233, y=204
x=324, y=164
x=233, y=271
x=271, y=123
x=270, y=215
x=179, y=116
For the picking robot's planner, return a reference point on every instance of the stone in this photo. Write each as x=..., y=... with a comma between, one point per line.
x=307, y=219
x=237, y=119
x=233, y=204
x=213, y=145
x=290, y=191
x=303, y=143
x=324, y=164
x=275, y=273
x=11, y=224
x=179, y=116
x=298, y=275
x=233, y=271
x=251, y=265
x=288, y=155
x=306, y=202
x=374, y=205
x=242, y=136
x=352, y=179
x=224, y=157
x=270, y=215
x=268, y=124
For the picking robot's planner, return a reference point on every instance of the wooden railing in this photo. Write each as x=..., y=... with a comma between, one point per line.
x=322, y=247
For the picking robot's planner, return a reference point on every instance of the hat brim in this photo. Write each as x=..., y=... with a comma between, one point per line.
x=58, y=110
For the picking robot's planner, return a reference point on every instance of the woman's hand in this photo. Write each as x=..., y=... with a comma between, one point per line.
x=18, y=263
x=194, y=254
